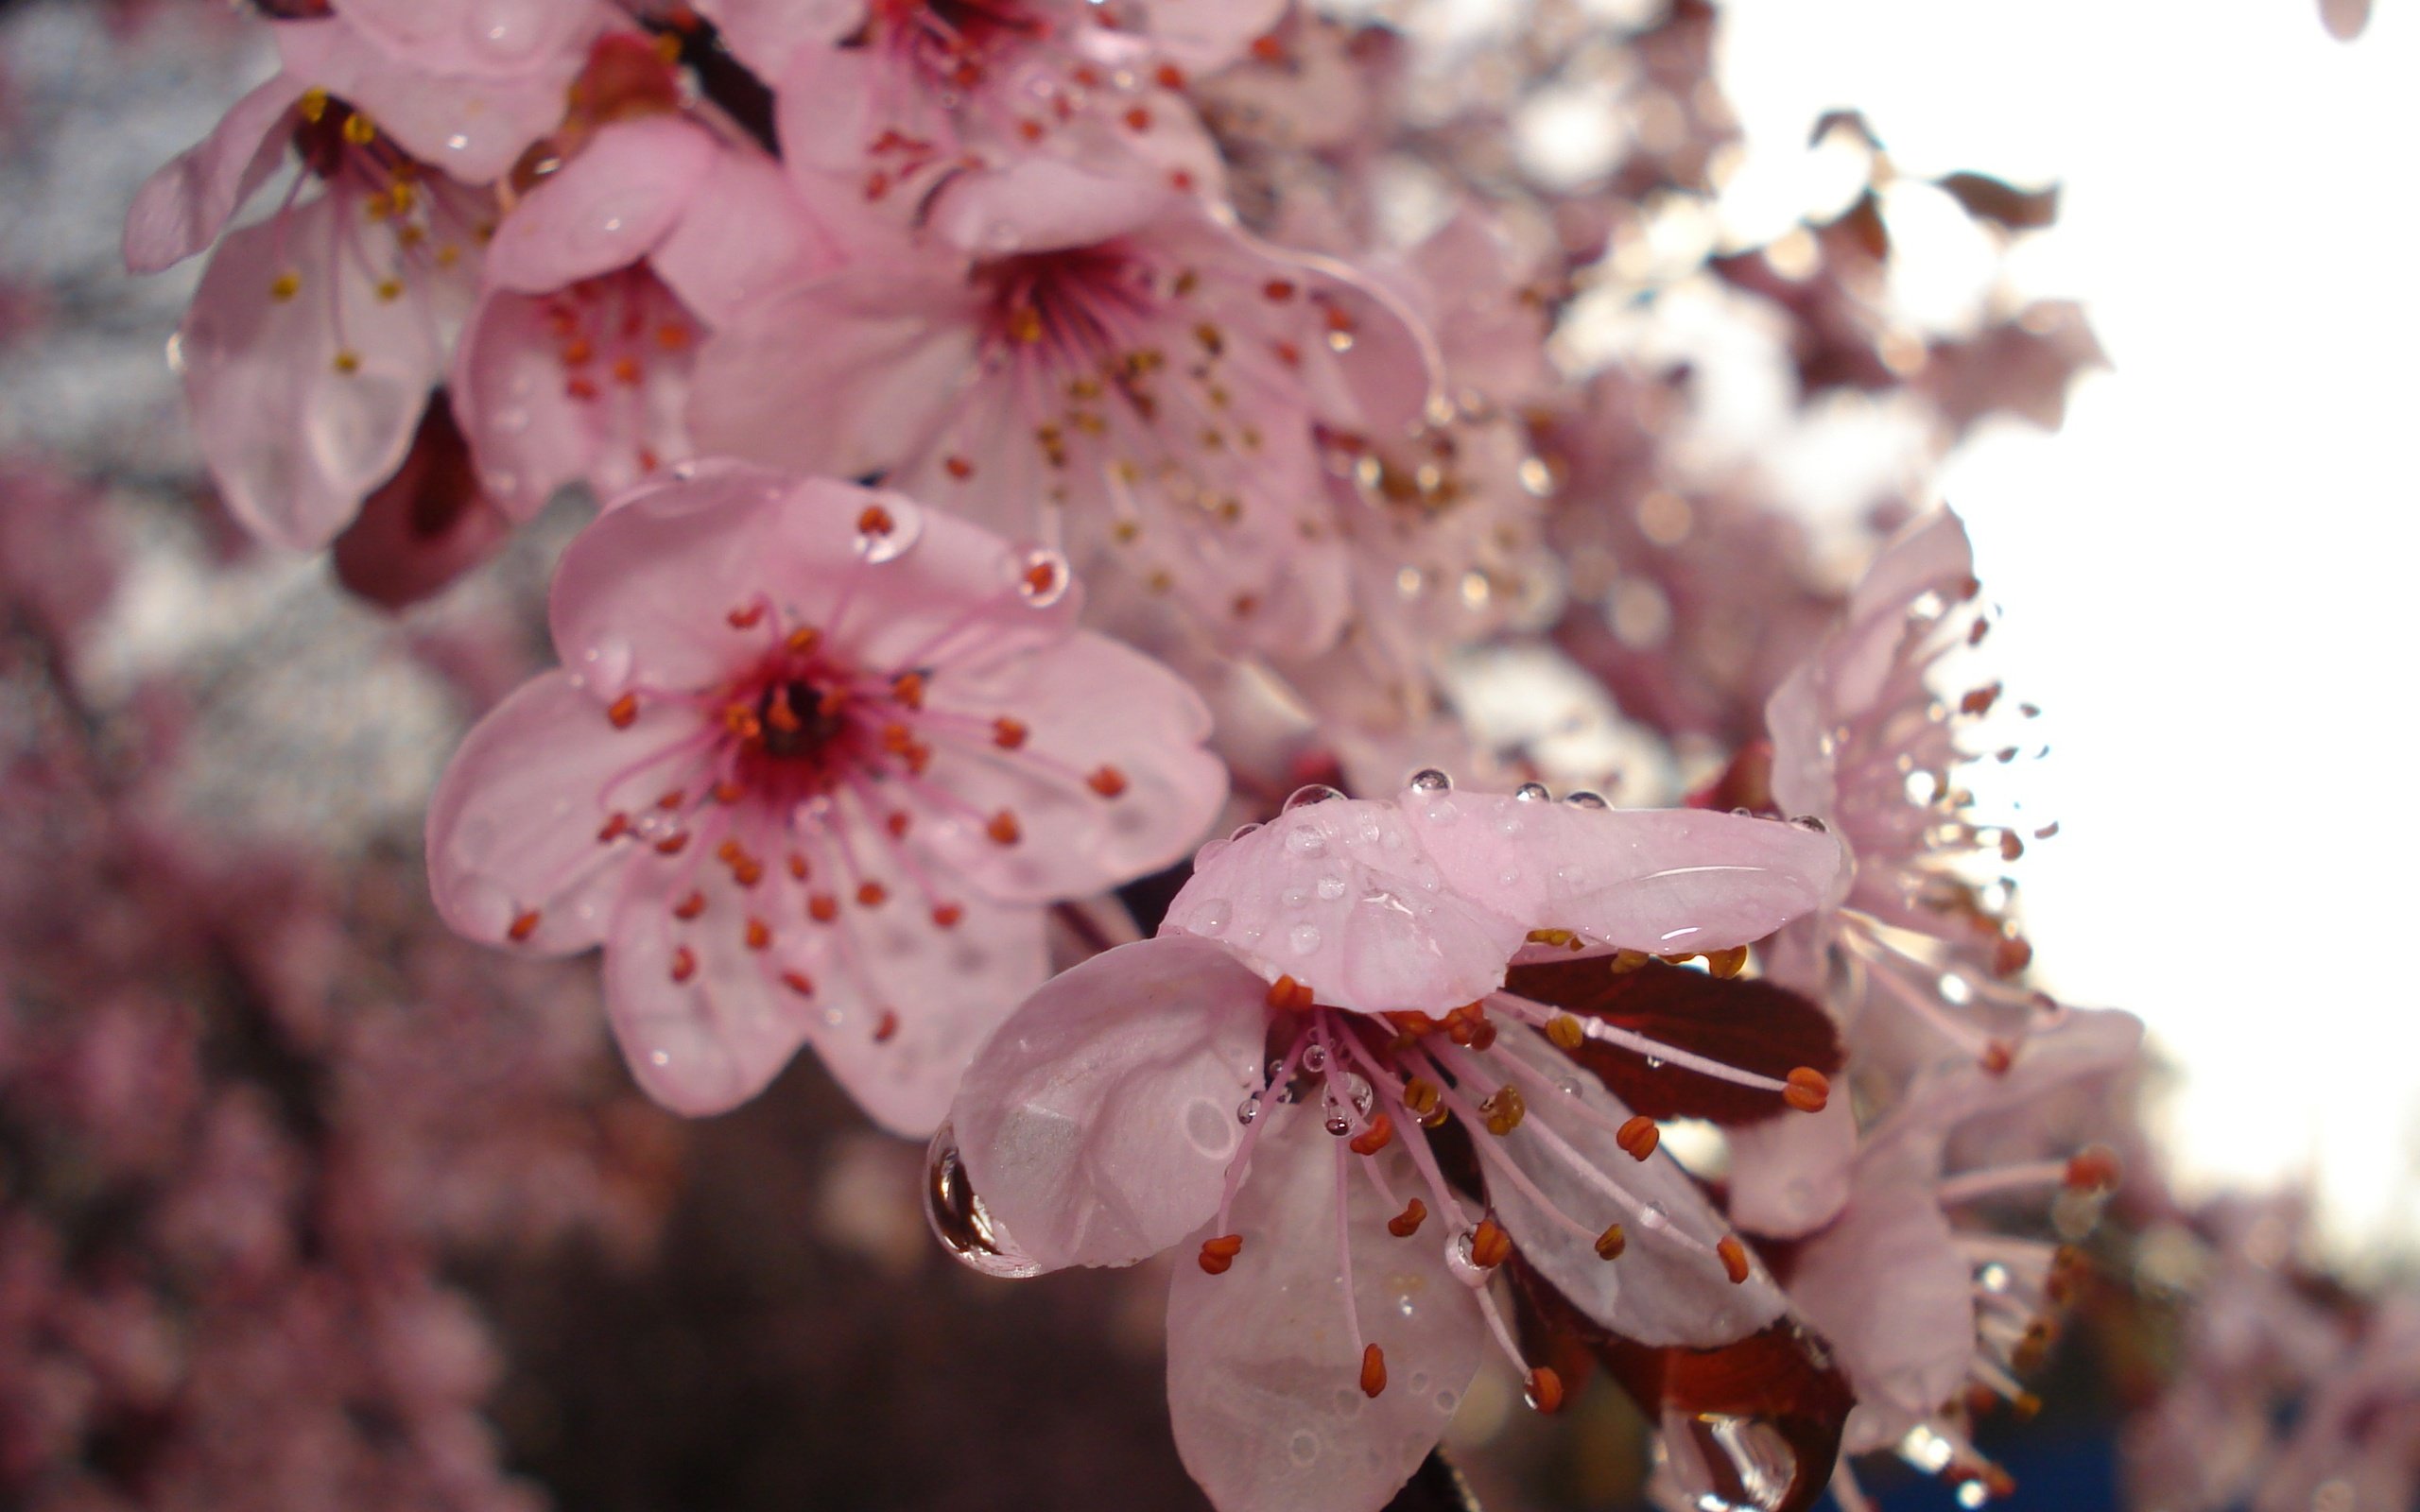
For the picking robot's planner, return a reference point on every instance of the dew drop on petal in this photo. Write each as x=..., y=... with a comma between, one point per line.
x=1305, y=939
x=1249, y=1108
x=888, y=530
x=1309, y=794
x=1458, y=1259
x=1304, y=1447
x=1305, y=840
x=1429, y=780
x=958, y=1219
x=1583, y=799
x=1211, y=919
x=1532, y=793
x=1043, y=576
x=1331, y=889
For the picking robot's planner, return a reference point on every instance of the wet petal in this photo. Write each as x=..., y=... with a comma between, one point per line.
x=1886, y=1287
x=183, y=206
x=1338, y=895
x=1656, y=880
x=605, y=208
x=1099, y=1122
x=1264, y=1377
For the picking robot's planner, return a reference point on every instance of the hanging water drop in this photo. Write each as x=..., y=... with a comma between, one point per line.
x=959, y=1220
x=1248, y=1109
x=1043, y=576
x=1315, y=1057
x=886, y=529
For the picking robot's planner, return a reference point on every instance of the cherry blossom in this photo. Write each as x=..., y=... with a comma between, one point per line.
x=815, y=760
x=1328, y=990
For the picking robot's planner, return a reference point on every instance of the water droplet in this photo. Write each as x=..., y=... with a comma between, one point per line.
x=1336, y=1124
x=1331, y=889
x=1315, y=1057
x=1994, y=1277
x=959, y=1220
x=1305, y=939
x=1726, y=1462
x=1655, y=1062
x=1532, y=793
x=1305, y=840
x=1429, y=780
x=1458, y=1259
x=1269, y=1072
x=1211, y=918
x=1309, y=794
x=176, y=353
x=1304, y=1447
x=609, y=662
x=1043, y=576
x=1240, y=832
x=1810, y=822
x=889, y=529
x=1248, y=1109
x=1358, y=1088
x=1583, y=799
x=1448, y=1399
x=459, y=142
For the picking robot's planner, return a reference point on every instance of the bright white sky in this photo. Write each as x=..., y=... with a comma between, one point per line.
x=2210, y=573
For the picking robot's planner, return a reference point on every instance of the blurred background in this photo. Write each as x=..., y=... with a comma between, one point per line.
x=571, y=1295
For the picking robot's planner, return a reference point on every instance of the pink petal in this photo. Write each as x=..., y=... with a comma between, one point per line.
x=640, y=597
x=1339, y=896
x=1659, y=1291
x=1264, y=1375
x=512, y=827
x=531, y=439
x=1658, y=880
x=1791, y=1175
x=182, y=207
x=1201, y=37
x=1090, y=705
x=1043, y=205
x=293, y=443
x=605, y=208
x=747, y=235
x=1099, y=1122
x=950, y=990
x=843, y=377
x=1889, y=1290
x=763, y=33
x=507, y=37
x=471, y=127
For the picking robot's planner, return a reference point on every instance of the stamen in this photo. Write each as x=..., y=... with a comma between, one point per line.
x=1733, y=1256
x=1219, y=1253
x=523, y=926
x=1294, y=996
x=1107, y=780
x=1407, y=1223
x=1002, y=828
x=1373, y=1371
x=1638, y=1136
x=1491, y=1246
x=1374, y=1138
x=684, y=964
x=1808, y=1089
x=1611, y=1244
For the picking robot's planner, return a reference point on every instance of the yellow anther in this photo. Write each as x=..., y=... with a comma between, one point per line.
x=359, y=129
x=314, y=104
x=1566, y=1031
x=390, y=289
x=348, y=362
x=285, y=285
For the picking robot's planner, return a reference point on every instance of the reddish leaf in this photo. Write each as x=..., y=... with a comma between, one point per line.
x=1752, y=1024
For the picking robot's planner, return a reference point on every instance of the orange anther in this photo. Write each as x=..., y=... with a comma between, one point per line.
x=747, y=872
x=1807, y=1089
x=1407, y=1223
x=523, y=925
x=1107, y=780
x=2094, y=1168
x=1219, y=1253
x=1278, y=288
x=1611, y=1244
x=1978, y=701
x=1002, y=828
x=689, y=907
x=576, y=352
x=798, y=865
x=1728, y=964
x=1491, y=1246
x=1041, y=578
x=947, y=915
x=1733, y=1256
x=728, y=792
x=908, y=689
x=1543, y=1390
x=616, y=825
x=684, y=964
x=886, y=1028
x=896, y=823
x=1566, y=1031
x=672, y=845
x=803, y=639
x=1639, y=1136
x=1007, y=734
x=1998, y=1057
x=798, y=983
x=1289, y=994
x=822, y=907
x=672, y=798
x=1374, y=1139
x=624, y=711
x=779, y=714
x=626, y=371
x=1138, y=119
x=671, y=337
x=1267, y=50
x=875, y=520
x=1374, y=1370
x=759, y=934
x=872, y=894
x=1170, y=76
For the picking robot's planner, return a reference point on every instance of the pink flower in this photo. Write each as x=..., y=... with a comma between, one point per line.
x=891, y=97
x=1254, y=1083
x=575, y=365
x=1082, y=359
x=1922, y=1304
x=1864, y=742
x=816, y=762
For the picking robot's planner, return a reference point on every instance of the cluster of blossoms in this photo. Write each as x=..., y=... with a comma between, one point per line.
x=1004, y=444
